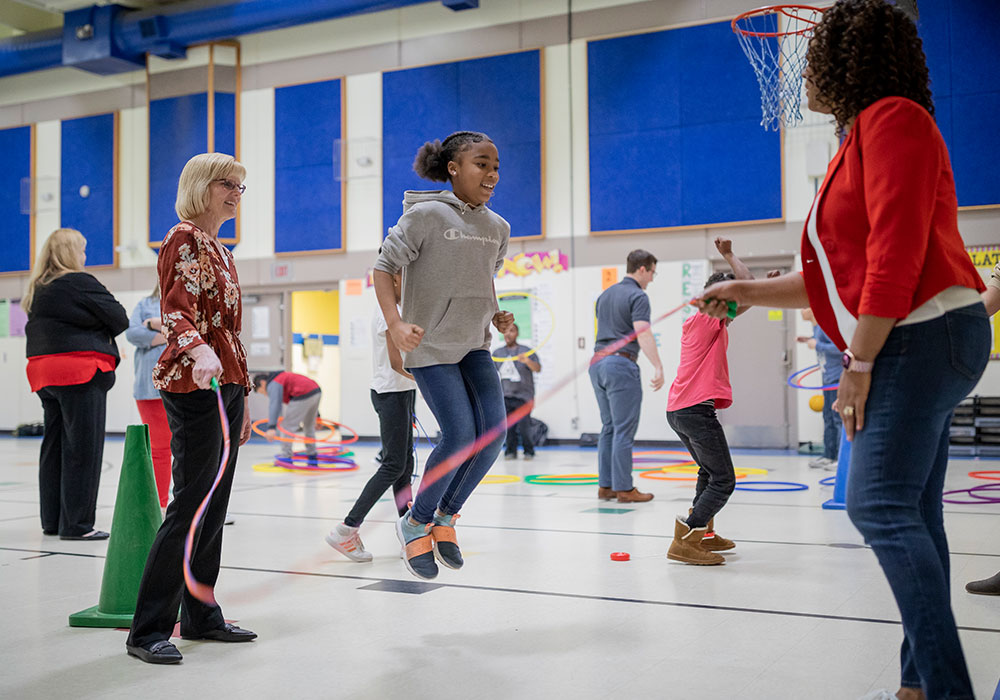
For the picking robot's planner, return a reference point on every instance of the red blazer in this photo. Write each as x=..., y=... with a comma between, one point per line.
x=887, y=217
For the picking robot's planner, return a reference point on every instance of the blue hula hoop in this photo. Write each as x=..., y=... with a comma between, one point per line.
x=828, y=481
x=791, y=486
x=792, y=380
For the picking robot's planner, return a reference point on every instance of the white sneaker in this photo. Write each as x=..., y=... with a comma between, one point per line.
x=830, y=465
x=817, y=462
x=880, y=694
x=347, y=541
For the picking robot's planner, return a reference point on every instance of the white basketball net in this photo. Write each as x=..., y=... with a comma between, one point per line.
x=775, y=40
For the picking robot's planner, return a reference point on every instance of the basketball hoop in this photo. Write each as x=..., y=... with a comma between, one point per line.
x=775, y=40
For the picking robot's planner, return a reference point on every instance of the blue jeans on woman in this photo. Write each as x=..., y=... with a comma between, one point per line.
x=898, y=464
x=467, y=401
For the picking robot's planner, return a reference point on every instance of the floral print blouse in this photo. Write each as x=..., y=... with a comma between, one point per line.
x=200, y=303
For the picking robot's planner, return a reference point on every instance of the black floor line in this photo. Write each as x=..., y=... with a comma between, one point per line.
x=550, y=594
x=610, y=599
x=664, y=536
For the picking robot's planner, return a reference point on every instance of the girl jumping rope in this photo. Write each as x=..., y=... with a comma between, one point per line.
x=449, y=246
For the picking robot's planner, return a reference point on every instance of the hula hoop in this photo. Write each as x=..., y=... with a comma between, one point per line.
x=562, y=479
x=500, y=479
x=664, y=475
x=794, y=380
x=331, y=425
x=552, y=328
x=828, y=481
x=979, y=474
x=663, y=467
x=349, y=465
x=661, y=460
x=643, y=453
x=769, y=486
x=275, y=469
x=972, y=493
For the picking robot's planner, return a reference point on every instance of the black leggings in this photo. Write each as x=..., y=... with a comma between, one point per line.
x=395, y=420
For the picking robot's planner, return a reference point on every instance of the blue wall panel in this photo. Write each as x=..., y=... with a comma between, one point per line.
x=675, y=135
x=500, y=96
x=15, y=234
x=178, y=130
x=88, y=160
x=960, y=40
x=307, y=191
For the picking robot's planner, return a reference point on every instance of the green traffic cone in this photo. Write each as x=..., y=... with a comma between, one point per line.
x=133, y=528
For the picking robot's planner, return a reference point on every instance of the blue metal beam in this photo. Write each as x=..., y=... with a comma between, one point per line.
x=113, y=39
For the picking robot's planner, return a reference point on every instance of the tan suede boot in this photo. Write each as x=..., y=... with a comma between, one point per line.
x=713, y=541
x=687, y=548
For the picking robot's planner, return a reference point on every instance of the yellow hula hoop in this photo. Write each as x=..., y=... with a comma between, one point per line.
x=684, y=469
x=500, y=479
x=552, y=327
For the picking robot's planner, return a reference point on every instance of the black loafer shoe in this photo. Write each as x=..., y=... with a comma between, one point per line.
x=226, y=633
x=92, y=535
x=50, y=533
x=161, y=652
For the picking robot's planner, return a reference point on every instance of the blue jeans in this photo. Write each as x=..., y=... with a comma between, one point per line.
x=699, y=429
x=831, y=425
x=467, y=401
x=898, y=464
x=619, y=396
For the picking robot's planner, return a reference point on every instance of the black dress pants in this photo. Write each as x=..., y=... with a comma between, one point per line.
x=522, y=428
x=72, y=452
x=197, y=446
x=395, y=421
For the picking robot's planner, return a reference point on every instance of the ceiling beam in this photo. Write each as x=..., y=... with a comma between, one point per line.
x=27, y=18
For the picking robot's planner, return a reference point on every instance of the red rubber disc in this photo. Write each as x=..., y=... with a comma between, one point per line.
x=620, y=556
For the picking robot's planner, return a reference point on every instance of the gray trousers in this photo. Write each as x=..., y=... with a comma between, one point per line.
x=300, y=416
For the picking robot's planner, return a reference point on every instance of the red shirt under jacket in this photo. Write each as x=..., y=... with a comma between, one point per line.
x=887, y=219
x=67, y=368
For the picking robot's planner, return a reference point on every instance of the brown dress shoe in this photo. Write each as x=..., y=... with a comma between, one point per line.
x=634, y=496
x=606, y=494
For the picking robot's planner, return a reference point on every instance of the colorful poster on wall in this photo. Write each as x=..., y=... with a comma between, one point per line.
x=985, y=258
x=18, y=319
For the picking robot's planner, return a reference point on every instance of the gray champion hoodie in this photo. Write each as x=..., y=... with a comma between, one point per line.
x=449, y=252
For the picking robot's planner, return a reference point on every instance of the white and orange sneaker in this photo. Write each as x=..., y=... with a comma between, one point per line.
x=345, y=539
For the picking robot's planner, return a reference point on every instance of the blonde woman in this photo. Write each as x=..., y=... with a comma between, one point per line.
x=72, y=355
x=201, y=313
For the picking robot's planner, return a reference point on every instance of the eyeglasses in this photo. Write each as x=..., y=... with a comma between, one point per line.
x=231, y=186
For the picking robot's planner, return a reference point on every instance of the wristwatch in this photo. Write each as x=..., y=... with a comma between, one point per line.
x=853, y=364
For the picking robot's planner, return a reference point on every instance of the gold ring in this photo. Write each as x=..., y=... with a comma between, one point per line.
x=848, y=411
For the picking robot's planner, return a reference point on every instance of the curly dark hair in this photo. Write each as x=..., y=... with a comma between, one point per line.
x=862, y=51
x=432, y=159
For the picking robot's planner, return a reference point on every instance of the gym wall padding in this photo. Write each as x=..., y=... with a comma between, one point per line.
x=308, y=194
x=178, y=130
x=15, y=144
x=960, y=41
x=88, y=160
x=675, y=134
x=500, y=96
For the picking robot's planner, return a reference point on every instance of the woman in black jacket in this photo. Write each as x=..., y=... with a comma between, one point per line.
x=72, y=355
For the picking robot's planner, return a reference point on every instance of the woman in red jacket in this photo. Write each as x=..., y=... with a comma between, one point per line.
x=887, y=276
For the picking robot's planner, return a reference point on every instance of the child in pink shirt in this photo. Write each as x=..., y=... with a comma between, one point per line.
x=699, y=390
